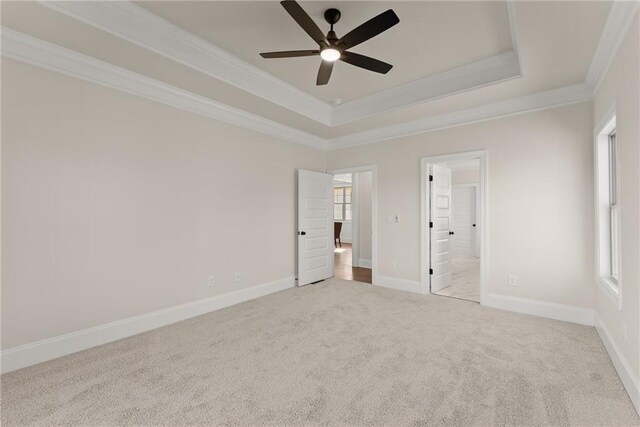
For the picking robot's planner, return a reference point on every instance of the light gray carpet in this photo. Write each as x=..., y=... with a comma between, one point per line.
x=465, y=279
x=336, y=353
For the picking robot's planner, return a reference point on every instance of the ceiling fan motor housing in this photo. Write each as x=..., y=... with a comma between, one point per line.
x=332, y=15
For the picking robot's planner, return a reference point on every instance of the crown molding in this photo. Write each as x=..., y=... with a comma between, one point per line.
x=615, y=28
x=146, y=29
x=25, y=48
x=471, y=76
x=496, y=69
x=539, y=101
x=511, y=11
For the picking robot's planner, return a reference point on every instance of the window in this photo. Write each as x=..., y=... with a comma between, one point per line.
x=613, y=207
x=608, y=207
x=342, y=203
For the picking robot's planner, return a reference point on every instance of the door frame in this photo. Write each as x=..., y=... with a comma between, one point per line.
x=374, y=214
x=476, y=187
x=482, y=221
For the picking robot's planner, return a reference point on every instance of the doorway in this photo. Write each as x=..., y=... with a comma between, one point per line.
x=353, y=211
x=453, y=232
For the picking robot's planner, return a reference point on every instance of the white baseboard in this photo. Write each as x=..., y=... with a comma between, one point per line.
x=364, y=263
x=41, y=351
x=398, y=284
x=549, y=310
x=630, y=382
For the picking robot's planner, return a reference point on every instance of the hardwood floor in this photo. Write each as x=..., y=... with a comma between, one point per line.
x=344, y=270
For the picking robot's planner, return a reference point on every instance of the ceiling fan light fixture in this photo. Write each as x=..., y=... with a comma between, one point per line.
x=330, y=54
x=332, y=48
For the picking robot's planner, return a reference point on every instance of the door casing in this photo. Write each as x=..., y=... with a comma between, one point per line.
x=374, y=213
x=482, y=220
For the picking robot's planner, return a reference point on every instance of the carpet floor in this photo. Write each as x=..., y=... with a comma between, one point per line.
x=339, y=353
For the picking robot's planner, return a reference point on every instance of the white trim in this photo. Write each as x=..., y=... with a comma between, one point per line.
x=364, y=263
x=488, y=71
x=398, y=284
x=616, y=27
x=140, y=26
x=482, y=220
x=137, y=25
x=548, y=310
x=355, y=222
x=629, y=380
x=41, y=351
x=49, y=56
x=31, y=50
x=374, y=209
x=511, y=10
x=539, y=101
x=609, y=290
x=148, y=30
x=602, y=130
x=43, y=54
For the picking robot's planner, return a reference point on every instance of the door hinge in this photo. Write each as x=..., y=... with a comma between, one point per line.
x=430, y=224
x=430, y=178
x=431, y=271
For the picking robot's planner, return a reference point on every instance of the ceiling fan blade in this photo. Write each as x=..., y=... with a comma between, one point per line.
x=289, y=53
x=324, y=73
x=369, y=29
x=305, y=21
x=366, y=62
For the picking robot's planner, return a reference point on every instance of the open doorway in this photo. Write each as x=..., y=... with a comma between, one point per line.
x=453, y=211
x=353, y=222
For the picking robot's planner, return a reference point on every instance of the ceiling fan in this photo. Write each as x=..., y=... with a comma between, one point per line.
x=332, y=48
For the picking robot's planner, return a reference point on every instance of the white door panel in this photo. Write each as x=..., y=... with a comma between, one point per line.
x=315, y=226
x=464, y=216
x=440, y=239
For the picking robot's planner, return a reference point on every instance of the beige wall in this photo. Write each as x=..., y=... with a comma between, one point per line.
x=364, y=213
x=622, y=86
x=114, y=206
x=465, y=176
x=540, y=200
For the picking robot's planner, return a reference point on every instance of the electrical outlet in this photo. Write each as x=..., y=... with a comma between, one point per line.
x=239, y=277
x=212, y=281
x=512, y=280
x=394, y=265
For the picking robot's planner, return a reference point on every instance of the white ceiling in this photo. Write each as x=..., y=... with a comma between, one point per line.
x=431, y=37
x=556, y=44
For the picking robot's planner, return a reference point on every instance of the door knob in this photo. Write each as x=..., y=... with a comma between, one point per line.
x=474, y=225
x=302, y=233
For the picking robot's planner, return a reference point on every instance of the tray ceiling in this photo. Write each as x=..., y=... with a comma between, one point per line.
x=556, y=43
x=432, y=37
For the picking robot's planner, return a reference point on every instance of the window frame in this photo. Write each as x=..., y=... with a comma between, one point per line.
x=608, y=207
x=343, y=203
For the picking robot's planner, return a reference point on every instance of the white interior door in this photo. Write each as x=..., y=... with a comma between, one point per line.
x=440, y=232
x=315, y=226
x=464, y=220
